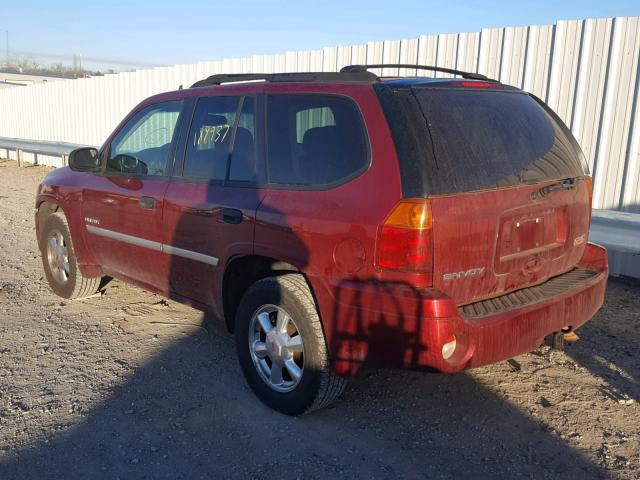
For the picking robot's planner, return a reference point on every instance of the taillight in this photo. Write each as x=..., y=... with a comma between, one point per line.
x=405, y=240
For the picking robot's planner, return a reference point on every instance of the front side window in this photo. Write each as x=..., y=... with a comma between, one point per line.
x=221, y=142
x=142, y=146
x=314, y=140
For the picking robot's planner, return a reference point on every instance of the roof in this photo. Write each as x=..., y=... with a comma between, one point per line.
x=412, y=82
x=401, y=82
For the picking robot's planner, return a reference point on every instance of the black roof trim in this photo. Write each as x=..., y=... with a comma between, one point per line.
x=332, y=77
x=364, y=68
x=350, y=73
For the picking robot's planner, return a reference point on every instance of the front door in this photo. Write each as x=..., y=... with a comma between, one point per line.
x=210, y=204
x=122, y=207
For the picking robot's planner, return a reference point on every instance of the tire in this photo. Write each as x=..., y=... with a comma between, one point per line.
x=59, y=261
x=287, y=296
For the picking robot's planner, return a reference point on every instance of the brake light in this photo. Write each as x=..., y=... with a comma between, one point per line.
x=476, y=84
x=405, y=239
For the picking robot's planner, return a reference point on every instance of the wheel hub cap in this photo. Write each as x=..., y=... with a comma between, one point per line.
x=58, y=256
x=276, y=344
x=276, y=348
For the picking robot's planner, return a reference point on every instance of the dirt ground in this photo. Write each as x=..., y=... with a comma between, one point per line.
x=128, y=385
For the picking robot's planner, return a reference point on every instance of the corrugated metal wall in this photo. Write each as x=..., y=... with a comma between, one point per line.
x=587, y=70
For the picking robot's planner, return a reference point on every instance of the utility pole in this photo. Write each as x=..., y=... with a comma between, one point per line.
x=7, y=45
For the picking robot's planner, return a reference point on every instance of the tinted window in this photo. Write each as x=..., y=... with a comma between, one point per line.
x=243, y=155
x=217, y=136
x=457, y=140
x=314, y=139
x=313, y=118
x=142, y=146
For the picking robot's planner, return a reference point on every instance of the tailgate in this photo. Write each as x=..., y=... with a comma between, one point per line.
x=493, y=242
x=508, y=185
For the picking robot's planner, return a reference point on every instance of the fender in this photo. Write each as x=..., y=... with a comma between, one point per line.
x=69, y=203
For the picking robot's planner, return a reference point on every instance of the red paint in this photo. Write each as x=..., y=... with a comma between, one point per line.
x=114, y=201
x=497, y=230
x=495, y=241
x=397, y=325
x=193, y=221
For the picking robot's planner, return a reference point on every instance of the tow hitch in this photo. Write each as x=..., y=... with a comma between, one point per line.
x=557, y=339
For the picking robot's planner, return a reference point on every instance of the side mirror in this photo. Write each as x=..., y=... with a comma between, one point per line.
x=84, y=160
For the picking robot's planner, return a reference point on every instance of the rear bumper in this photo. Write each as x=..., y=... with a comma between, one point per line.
x=394, y=325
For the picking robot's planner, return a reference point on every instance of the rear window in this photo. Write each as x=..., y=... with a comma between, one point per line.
x=452, y=140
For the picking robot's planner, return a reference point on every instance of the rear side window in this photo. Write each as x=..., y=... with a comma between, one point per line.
x=221, y=140
x=313, y=118
x=452, y=140
x=314, y=140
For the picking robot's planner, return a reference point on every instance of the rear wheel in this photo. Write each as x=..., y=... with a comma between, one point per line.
x=281, y=346
x=59, y=261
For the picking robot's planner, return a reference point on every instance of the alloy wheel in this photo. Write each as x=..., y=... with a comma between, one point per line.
x=276, y=348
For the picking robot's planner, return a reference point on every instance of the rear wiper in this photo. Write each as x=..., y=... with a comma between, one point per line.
x=563, y=185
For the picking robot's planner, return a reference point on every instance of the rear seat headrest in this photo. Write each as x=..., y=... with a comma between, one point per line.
x=320, y=136
x=214, y=120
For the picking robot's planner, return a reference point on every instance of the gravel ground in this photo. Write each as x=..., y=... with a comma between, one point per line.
x=128, y=385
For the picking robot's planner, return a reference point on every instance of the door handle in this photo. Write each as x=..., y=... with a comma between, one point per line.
x=231, y=215
x=148, y=203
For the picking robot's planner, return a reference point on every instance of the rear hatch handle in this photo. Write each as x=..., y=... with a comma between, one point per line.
x=563, y=185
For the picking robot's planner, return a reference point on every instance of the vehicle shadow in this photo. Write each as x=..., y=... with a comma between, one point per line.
x=609, y=343
x=188, y=413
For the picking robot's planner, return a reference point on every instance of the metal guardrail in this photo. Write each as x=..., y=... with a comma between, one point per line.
x=35, y=148
x=619, y=232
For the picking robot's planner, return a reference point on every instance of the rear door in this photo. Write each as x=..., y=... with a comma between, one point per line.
x=509, y=192
x=122, y=207
x=211, y=202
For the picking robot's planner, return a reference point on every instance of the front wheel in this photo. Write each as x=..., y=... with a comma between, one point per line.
x=281, y=346
x=59, y=261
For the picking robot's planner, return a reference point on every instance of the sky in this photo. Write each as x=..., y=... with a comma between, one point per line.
x=158, y=32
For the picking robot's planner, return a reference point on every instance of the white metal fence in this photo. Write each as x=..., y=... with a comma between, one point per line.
x=587, y=70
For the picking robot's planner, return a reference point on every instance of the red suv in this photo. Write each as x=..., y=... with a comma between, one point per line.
x=338, y=221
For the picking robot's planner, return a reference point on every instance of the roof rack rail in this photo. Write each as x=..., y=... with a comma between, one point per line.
x=355, y=76
x=364, y=68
